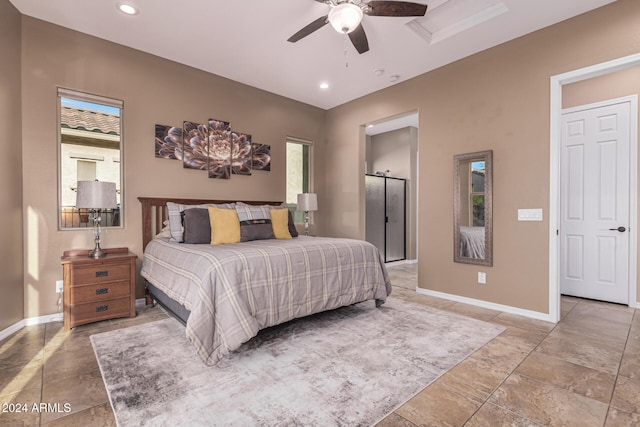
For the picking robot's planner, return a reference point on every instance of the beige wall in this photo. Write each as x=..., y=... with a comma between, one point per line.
x=11, y=278
x=154, y=91
x=497, y=99
x=610, y=86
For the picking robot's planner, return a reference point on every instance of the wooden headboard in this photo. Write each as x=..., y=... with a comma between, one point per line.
x=154, y=212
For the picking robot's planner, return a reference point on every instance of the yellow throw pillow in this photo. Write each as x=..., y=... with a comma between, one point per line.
x=280, y=223
x=225, y=226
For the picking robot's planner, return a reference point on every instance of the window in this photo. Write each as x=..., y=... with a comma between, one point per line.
x=90, y=148
x=298, y=173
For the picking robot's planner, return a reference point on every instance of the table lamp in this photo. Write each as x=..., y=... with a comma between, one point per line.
x=307, y=202
x=96, y=195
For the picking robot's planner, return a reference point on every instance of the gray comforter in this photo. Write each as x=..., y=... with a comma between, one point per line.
x=235, y=290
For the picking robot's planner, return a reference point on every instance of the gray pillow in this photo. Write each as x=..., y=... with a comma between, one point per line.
x=292, y=226
x=255, y=222
x=197, y=227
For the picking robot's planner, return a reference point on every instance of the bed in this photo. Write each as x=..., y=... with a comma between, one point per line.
x=226, y=293
x=472, y=242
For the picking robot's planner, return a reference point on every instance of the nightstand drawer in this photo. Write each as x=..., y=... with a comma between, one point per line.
x=99, y=292
x=100, y=273
x=90, y=312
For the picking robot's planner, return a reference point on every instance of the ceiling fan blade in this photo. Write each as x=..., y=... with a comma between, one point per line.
x=315, y=25
x=395, y=8
x=359, y=39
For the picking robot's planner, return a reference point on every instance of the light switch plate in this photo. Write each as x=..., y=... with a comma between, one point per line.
x=529, y=214
x=482, y=278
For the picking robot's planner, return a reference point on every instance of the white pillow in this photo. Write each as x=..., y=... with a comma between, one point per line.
x=165, y=233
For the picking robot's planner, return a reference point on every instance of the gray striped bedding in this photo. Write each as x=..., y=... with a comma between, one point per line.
x=235, y=290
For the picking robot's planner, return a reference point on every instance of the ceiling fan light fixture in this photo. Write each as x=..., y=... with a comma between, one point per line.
x=345, y=17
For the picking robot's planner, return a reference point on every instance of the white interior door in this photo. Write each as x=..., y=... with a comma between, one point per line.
x=594, y=205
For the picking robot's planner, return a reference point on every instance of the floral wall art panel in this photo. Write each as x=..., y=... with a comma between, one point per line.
x=260, y=157
x=168, y=142
x=194, y=146
x=219, y=149
x=241, y=153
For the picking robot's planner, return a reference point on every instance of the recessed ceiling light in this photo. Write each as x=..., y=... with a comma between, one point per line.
x=127, y=8
x=324, y=85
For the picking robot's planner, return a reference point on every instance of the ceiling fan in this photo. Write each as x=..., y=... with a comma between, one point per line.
x=345, y=16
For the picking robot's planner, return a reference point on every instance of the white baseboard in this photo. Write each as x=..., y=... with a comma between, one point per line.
x=404, y=261
x=6, y=333
x=57, y=317
x=490, y=305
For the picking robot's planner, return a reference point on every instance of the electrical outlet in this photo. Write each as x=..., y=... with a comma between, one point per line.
x=482, y=278
x=59, y=286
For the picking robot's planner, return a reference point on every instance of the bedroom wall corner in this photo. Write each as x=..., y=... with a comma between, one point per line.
x=11, y=251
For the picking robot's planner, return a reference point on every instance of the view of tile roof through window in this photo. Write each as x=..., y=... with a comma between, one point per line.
x=89, y=120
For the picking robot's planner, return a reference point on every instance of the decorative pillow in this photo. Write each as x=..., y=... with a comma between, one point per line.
x=291, y=225
x=255, y=222
x=225, y=227
x=197, y=227
x=165, y=233
x=280, y=223
x=175, y=219
x=246, y=211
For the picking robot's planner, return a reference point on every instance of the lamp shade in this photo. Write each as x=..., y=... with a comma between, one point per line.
x=307, y=202
x=96, y=195
x=345, y=17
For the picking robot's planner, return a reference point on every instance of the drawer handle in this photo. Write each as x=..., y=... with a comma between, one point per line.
x=102, y=291
x=102, y=308
x=102, y=273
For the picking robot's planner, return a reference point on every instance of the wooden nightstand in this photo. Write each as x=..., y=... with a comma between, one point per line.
x=98, y=289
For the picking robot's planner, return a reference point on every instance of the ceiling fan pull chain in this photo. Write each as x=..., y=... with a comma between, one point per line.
x=346, y=45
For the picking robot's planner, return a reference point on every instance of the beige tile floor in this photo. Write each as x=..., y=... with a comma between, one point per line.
x=584, y=371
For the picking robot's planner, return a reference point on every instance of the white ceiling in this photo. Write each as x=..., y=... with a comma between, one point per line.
x=245, y=40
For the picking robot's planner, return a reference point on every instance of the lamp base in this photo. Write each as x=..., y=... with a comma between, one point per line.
x=97, y=252
x=306, y=223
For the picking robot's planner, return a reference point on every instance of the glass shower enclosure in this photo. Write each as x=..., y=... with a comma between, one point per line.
x=386, y=215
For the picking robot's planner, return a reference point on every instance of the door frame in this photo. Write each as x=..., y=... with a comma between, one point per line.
x=411, y=209
x=556, y=83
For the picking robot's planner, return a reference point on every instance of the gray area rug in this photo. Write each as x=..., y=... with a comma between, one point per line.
x=347, y=367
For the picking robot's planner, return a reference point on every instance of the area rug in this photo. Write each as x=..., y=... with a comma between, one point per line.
x=347, y=367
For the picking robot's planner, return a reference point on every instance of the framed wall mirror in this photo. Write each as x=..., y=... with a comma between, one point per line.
x=89, y=149
x=472, y=213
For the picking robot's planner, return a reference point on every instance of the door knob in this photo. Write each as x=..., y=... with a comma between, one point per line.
x=620, y=229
